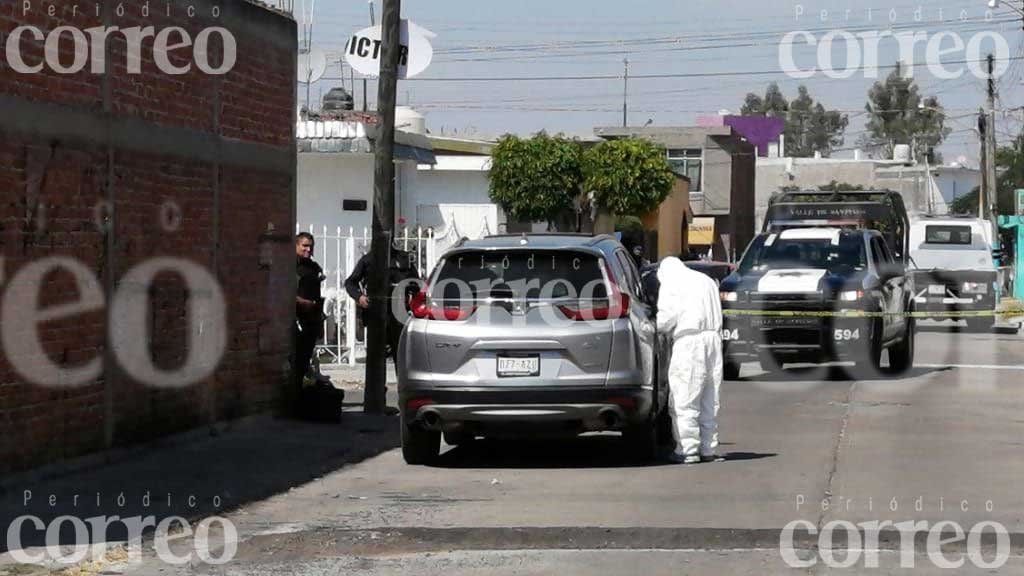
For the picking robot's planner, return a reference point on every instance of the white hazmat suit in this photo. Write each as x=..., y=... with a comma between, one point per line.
x=690, y=311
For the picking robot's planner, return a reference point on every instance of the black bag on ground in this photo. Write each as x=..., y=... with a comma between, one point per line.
x=322, y=402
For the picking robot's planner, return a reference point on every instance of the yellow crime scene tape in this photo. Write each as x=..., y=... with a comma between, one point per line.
x=1009, y=313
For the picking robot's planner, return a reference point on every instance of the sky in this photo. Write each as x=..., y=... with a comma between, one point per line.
x=715, y=52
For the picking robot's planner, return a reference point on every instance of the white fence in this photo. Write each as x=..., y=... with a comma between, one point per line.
x=338, y=251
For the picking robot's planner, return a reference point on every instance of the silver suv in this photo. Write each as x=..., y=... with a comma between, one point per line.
x=531, y=335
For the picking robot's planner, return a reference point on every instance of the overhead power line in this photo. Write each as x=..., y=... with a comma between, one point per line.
x=662, y=40
x=669, y=75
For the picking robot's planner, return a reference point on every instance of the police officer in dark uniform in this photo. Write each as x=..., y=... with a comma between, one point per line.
x=402, y=267
x=309, y=304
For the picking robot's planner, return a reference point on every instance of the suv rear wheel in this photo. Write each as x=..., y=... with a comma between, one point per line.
x=642, y=441
x=419, y=446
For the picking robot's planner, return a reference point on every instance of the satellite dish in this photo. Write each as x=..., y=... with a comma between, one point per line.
x=312, y=65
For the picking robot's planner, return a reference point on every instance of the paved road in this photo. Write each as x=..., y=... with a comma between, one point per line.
x=943, y=443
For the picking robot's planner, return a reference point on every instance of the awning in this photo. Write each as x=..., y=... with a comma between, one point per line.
x=420, y=155
x=702, y=231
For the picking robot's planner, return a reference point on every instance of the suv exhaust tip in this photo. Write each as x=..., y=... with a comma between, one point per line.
x=610, y=418
x=431, y=420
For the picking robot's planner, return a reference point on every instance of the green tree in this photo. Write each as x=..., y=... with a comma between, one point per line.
x=774, y=103
x=1010, y=164
x=628, y=177
x=534, y=179
x=898, y=114
x=809, y=127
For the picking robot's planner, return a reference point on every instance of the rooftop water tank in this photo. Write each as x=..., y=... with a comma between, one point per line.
x=901, y=153
x=409, y=120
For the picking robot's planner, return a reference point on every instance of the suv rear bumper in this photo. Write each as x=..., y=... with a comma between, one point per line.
x=525, y=410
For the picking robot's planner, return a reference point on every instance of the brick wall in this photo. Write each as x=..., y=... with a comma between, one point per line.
x=114, y=169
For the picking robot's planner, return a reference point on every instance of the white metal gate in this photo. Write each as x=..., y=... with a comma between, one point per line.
x=337, y=251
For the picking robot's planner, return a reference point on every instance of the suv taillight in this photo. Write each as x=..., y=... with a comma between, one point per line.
x=421, y=307
x=617, y=307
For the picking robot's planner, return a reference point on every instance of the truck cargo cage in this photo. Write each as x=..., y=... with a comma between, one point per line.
x=879, y=210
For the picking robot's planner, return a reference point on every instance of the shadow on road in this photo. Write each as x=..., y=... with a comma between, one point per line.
x=834, y=373
x=743, y=456
x=953, y=328
x=592, y=451
x=254, y=460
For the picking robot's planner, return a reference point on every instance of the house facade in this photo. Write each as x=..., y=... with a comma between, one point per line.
x=720, y=166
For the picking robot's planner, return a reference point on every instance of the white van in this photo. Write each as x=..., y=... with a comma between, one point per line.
x=951, y=258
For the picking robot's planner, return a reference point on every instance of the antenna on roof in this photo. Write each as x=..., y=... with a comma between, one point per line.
x=312, y=61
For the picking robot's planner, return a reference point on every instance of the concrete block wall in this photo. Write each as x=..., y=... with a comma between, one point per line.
x=113, y=169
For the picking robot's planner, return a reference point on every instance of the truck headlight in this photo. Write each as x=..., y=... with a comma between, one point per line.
x=728, y=296
x=851, y=295
x=976, y=287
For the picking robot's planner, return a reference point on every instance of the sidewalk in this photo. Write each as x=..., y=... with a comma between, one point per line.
x=1010, y=304
x=352, y=377
x=251, y=460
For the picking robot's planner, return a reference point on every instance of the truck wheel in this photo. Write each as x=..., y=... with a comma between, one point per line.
x=769, y=363
x=982, y=324
x=419, y=446
x=870, y=361
x=731, y=371
x=901, y=356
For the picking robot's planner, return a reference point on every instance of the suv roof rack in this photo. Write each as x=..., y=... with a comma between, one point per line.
x=528, y=234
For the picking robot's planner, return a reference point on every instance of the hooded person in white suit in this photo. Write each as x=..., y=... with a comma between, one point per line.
x=690, y=311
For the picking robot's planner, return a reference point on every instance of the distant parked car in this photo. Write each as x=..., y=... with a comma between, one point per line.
x=488, y=360
x=954, y=268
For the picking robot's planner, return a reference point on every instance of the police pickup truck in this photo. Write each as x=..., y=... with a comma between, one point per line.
x=821, y=284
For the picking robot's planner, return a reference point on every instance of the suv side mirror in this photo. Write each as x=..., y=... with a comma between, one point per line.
x=890, y=271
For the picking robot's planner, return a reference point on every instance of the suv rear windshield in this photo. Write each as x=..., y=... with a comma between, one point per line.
x=959, y=235
x=772, y=252
x=519, y=274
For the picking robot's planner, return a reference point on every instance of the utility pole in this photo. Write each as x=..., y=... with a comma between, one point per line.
x=625, y=88
x=374, y=400
x=983, y=192
x=372, y=23
x=991, y=200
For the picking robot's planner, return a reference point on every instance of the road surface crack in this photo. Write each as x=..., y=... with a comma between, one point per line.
x=837, y=449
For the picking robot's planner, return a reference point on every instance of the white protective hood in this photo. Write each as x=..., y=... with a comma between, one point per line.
x=688, y=301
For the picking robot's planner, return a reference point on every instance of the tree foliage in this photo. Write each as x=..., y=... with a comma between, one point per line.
x=534, y=179
x=538, y=178
x=628, y=177
x=809, y=127
x=898, y=114
x=1010, y=164
x=835, y=186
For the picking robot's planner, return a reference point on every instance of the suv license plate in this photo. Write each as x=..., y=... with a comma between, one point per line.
x=518, y=365
x=937, y=290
